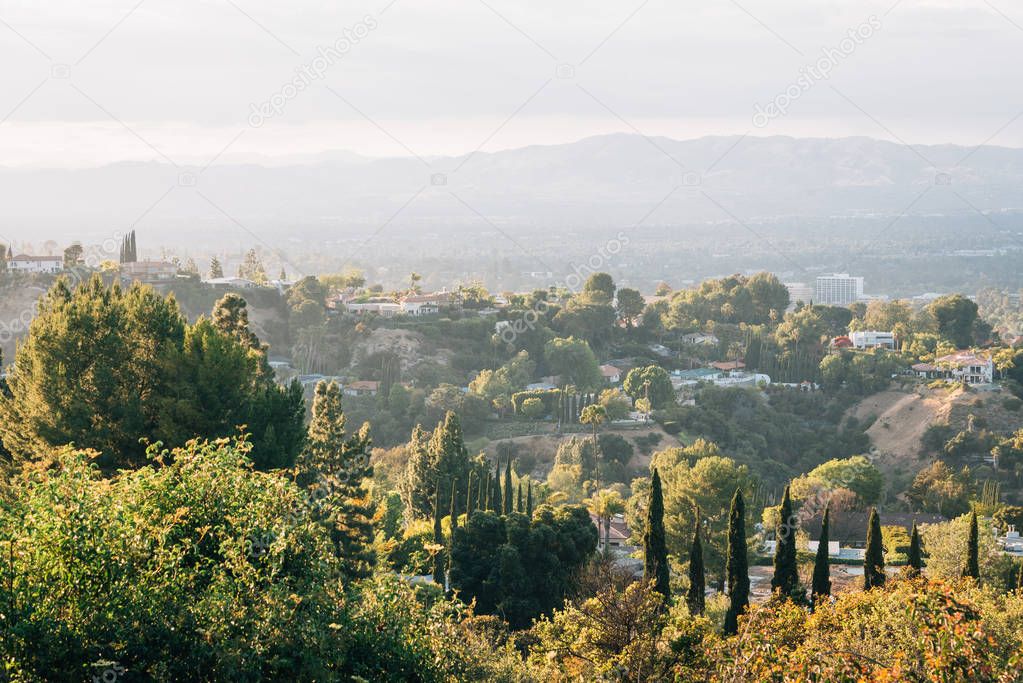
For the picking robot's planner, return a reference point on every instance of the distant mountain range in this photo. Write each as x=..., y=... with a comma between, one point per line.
x=617, y=180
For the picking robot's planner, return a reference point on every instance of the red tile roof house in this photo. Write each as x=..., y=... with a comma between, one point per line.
x=728, y=365
x=611, y=373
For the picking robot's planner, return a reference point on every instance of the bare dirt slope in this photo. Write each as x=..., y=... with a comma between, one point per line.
x=903, y=416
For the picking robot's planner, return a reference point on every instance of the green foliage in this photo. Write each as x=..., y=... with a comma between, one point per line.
x=737, y=564
x=650, y=382
x=856, y=474
x=333, y=467
x=574, y=361
x=434, y=460
x=655, y=550
x=103, y=368
x=695, y=594
x=972, y=569
x=779, y=439
x=956, y=317
x=821, y=584
x=873, y=559
x=757, y=299
x=550, y=398
x=520, y=567
x=786, y=572
x=915, y=556
x=533, y=408
x=938, y=488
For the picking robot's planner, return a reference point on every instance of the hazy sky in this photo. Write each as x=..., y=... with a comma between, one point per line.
x=87, y=83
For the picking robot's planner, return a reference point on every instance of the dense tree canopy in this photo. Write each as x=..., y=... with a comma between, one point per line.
x=104, y=367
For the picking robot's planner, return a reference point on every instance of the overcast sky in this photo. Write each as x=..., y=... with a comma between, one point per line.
x=88, y=83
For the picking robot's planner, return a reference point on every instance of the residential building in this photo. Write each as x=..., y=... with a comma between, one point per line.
x=383, y=308
x=872, y=339
x=838, y=289
x=961, y=366
x=728, y=365
x=617, y=536
x=611, y=374
x=225, y=282
x=23, y=263
x=362, y=387
x=149, y=271
x=842, y=342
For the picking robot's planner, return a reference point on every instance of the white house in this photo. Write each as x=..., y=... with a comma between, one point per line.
x=872, y=339
x=961, y=366
x=385, y=309
x=23, y=263
x=238, y=282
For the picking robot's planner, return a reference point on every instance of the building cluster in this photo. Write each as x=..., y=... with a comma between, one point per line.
x=416, y=305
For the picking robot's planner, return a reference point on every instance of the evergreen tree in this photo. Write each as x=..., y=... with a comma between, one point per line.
x=821, y=568
x=915, y=555
x=448, y=452
x=216, y=270
x=972, y=547
x=416, y=485
x=518, y=500
x=529, y=499
x=786, y=571
x=334, y=467
x=655, y=549
x=438, y=539
x=470, y=502
x=736, y=564
x=509, y=501
x=495, y=492
x=873, y=560
x=695, y=597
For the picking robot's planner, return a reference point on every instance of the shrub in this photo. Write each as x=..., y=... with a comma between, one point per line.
x=533, y=408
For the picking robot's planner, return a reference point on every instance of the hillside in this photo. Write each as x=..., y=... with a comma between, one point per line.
x=901, y=417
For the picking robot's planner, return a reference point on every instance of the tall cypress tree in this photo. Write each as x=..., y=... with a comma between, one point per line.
x=695, y=596
x=737, y=564
x=470, y=502
x=821, y=569
x=786, y=571
x=518, y=501
x=873, y=559
x=497, y=506
x=529, y=499
x=509, y=501
x=438, y=540
x=915, y=556
x=972, y=549
x=655, y=555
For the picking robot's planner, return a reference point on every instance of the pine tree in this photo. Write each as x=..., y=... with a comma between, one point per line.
x=655, y=562
x=972, y=549
x=216, y=270
x=334, y=467
x=786, y=571
x=438, y=539
x=508, y=499
x=529, y=499
x=821, y=569
x=873, y=559
x=915, y=555
x=736, y=564
x=695, y=597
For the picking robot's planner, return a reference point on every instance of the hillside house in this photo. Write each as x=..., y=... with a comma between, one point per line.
x=23, y=263
x=961, y=366
x=699, y=339
x=611, y=374
x=873, y=339
x=149, y=272
x=362, y=387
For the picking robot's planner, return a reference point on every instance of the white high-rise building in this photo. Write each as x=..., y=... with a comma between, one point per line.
x=799, y=291
x=838, y=289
